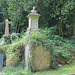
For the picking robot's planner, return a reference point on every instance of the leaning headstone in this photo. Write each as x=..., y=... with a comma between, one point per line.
x=33, y=21
x=1, y=62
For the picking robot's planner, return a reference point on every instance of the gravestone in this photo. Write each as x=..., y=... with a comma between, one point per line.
x=6, y=28
x=37, y=58
x=6, y=35
x=1, y=62
x=33, y=21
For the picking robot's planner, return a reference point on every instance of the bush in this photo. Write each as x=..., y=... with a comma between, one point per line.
x=15, y=51
x=62, y=51
x=15, y=36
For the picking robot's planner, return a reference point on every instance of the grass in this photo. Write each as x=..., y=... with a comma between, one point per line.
x=20, y=71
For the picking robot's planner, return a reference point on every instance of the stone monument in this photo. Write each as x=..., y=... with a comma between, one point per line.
x=6, y=35
x=33, y=21
x=36, y=57
x=6, y=28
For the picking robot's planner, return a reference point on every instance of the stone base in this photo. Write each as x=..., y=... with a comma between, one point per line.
x=29, y=30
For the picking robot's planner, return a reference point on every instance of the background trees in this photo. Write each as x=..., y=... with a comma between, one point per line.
x=53, y=12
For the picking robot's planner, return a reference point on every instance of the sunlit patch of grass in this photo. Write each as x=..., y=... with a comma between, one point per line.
x=20, y=71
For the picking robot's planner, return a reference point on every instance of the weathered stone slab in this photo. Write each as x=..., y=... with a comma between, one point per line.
x=1, y=62
x=40, y=59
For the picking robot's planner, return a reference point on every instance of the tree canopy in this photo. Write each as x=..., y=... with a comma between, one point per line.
x=53, y=12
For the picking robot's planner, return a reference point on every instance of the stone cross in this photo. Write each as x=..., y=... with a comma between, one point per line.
x=33, y=21
x=6, y=28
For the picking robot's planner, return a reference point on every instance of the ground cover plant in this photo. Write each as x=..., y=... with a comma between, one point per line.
x=62, y=48
x=67, y=69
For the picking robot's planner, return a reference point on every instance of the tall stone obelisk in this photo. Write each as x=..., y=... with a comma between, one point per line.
x=6, y=28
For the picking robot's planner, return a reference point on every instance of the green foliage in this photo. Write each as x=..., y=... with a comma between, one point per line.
x=2, y=25
x=17, y=51
x=10, y=38
x=14, y=36
x=7, y=39
x=60, y=13
x=61, y=49
x=17, y=16
x=67, y=69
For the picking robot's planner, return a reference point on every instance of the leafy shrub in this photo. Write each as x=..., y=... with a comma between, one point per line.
x=1, y=41
x=64, y=54
x=62, y=51
x=48, y=32
x=15, y=36
x=7, y=39
x=16, y=51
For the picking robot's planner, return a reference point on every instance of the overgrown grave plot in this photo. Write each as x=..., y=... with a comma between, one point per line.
x=15, y=54
x=38, y=53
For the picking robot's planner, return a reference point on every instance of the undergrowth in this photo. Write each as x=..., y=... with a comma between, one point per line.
x=62, y=51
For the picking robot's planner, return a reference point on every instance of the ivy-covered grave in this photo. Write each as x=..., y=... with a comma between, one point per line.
x=40, y=46
x=38, y=52
x=15, y=54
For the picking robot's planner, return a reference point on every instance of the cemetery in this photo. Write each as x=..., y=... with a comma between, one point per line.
x=36, y=50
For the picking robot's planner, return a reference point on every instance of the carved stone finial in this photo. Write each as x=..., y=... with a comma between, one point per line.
x=33, y=8
x=33, y=11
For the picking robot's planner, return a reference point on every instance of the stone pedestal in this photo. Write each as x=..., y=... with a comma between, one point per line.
x=33, y=21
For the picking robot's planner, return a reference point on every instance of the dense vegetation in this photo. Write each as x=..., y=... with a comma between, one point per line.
x=67, y=69
x=62, y=49
x=53, y=12
x=56, y=25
